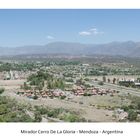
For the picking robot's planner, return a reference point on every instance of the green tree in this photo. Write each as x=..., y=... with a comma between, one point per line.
x=104, y=79
x=114, y=80
x=25, y=86
x=1, y=90
x=132, y=115
x=100, y=83
x=38, y=117
x=108, y=80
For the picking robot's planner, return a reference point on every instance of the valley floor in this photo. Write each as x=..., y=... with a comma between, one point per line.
x=92, y=108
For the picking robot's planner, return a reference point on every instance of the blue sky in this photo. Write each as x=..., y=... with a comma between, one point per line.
x=38, y=27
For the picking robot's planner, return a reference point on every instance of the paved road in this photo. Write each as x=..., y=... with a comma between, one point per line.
x=123, y=90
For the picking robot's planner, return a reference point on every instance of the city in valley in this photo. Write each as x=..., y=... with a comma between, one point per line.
x=69, y=65
x=69, y=89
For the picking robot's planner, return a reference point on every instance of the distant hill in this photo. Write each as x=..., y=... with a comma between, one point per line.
x=129, y=48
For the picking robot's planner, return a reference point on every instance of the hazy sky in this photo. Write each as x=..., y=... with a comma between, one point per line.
x=34, y=27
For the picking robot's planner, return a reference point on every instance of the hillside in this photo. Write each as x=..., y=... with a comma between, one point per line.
x=129, y=48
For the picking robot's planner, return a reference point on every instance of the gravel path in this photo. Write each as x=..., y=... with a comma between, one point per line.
x=122, y=89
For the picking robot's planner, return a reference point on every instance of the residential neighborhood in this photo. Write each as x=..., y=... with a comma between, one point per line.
x=76, y=86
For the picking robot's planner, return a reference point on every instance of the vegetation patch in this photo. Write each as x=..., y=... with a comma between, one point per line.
x=1, y=90
x=11, y=111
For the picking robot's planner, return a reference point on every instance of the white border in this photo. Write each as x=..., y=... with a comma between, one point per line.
x=12, y=130
x=72, y=4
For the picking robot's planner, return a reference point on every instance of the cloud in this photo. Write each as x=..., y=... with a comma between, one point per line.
x=50, y=37
x=92, y=31
x=95, y=31
x=84, y=33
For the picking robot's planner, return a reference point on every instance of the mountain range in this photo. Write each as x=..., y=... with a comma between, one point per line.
x=128, y=48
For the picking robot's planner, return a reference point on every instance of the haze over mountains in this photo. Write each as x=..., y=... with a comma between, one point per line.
x=129, y=48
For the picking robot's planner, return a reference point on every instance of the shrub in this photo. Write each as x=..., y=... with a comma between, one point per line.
x=131, y=106
x=62, y=97
x=80, y=102
x=54, y=113
x=3, y=109
x=21, y=118
x=125, y=108
x=11, y=111
x=86, y=79
x=70, y=118
x=138, y=105
x=1, y=90
x=35, y=97
x=132, y=115
x=100, y=83
x=38, y=117
x=87, y=94
x=42, y=110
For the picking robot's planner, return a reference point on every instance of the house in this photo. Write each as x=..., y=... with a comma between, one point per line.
x=80, y=93
x=137, y=84
x=94, y=92
x=58, y=92
x=86, y=64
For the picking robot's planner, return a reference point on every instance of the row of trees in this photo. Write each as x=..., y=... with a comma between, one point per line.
x=127, y=83
x=108, y=80
x=17, y=67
